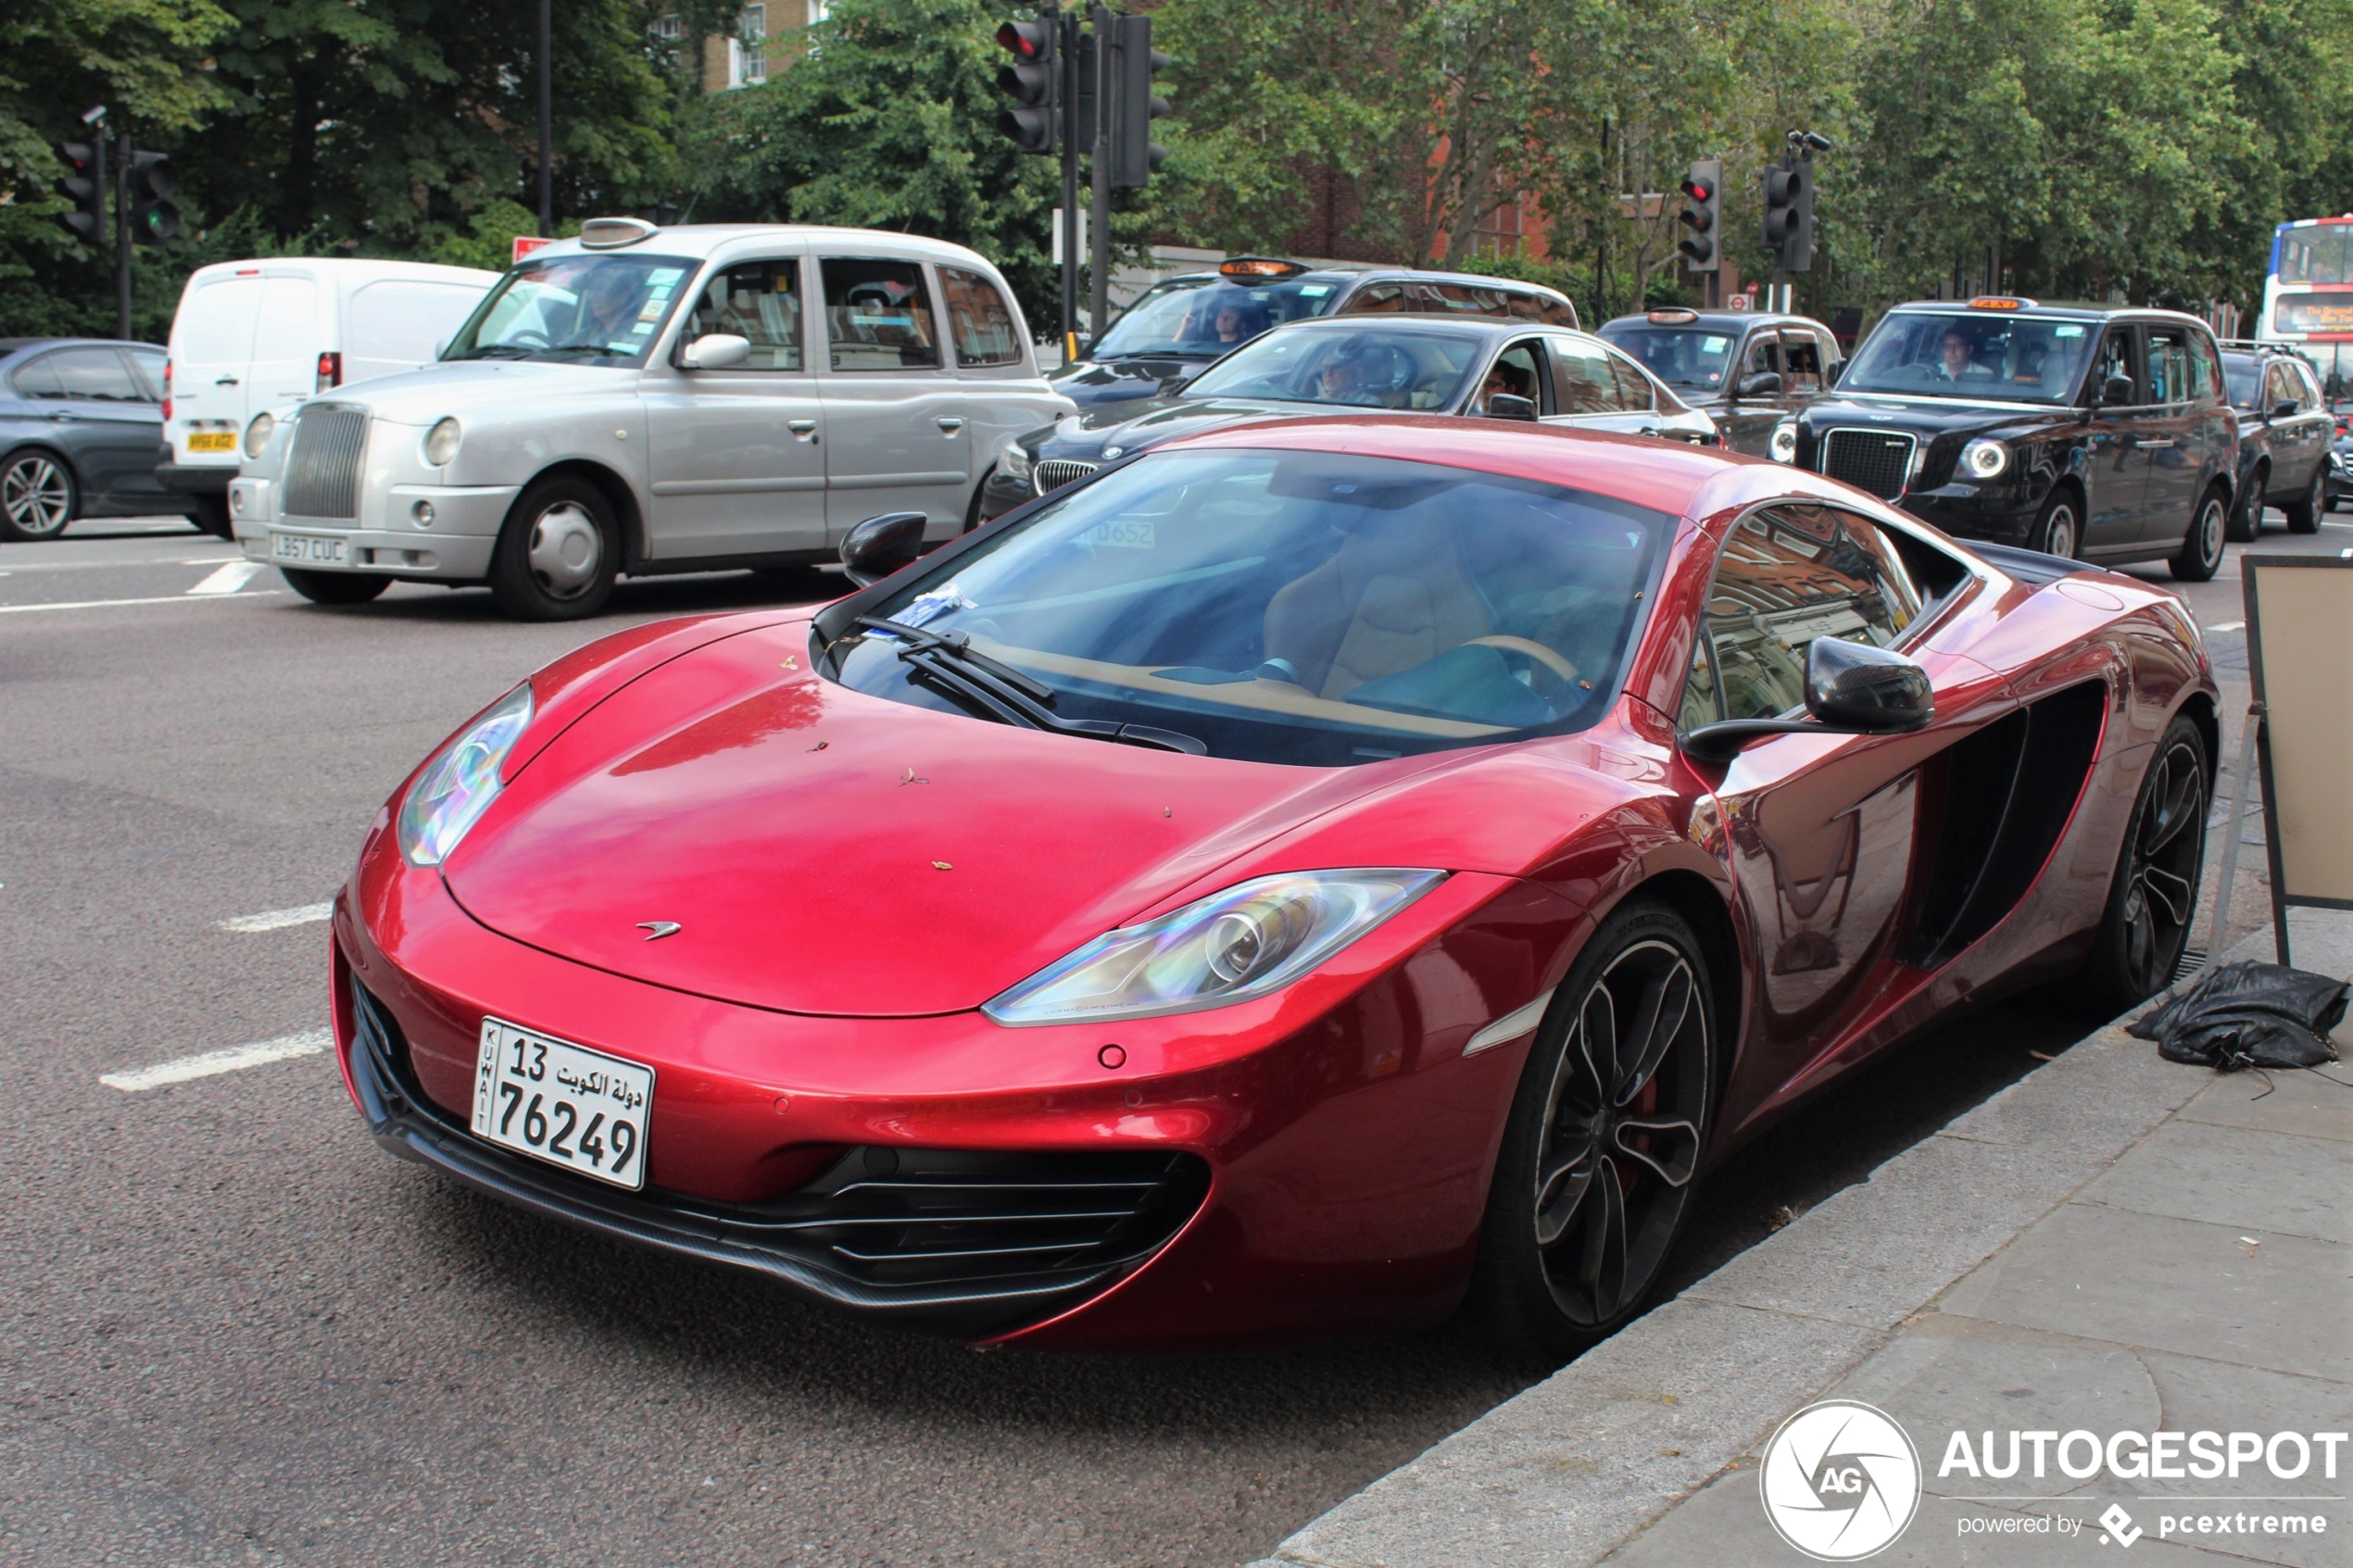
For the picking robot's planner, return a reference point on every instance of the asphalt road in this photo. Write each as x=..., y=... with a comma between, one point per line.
x=232, y=1331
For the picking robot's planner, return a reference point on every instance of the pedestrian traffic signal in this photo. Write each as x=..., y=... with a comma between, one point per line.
x=154, y=216
x=1702, y=214
x=85, y=186
x=1032, y=124
x=1133, y=155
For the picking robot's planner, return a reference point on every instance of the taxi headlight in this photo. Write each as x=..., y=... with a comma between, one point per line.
x=1984, y=460
x=1255, y=937
x=441, y=443
x=1784, y=443
x=458, y=784
x=258, y=434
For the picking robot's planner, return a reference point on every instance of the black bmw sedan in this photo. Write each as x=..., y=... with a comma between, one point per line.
x=1348, y=365
x=81, y=419
x=2091, y=431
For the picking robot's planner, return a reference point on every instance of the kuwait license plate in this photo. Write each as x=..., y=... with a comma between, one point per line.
x=562, y=1103
x=310, y=549
x=212, y=441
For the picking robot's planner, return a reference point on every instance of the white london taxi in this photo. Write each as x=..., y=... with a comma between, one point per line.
x=648, y=400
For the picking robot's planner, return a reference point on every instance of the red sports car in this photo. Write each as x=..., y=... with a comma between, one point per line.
x=1312, y=876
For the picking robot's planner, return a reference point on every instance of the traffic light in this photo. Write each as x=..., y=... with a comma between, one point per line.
x=154, y=216
x=1703, y=211
x=85, y=186
x=1798, y=255
x=1133, y=155
x=1032, y=124
x=1789, y=212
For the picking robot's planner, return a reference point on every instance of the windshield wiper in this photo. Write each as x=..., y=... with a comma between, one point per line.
x=498, y=351
x=994, y=690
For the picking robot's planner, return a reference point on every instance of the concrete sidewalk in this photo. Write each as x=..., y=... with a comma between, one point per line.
x=2114, y=1244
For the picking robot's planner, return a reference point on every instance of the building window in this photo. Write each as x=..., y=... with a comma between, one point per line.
x=818, y=11
x=671, y=28
x=754, y=28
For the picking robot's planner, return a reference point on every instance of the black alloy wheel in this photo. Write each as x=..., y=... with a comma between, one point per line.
x=2201, y=552
x=1605, y=1136
x=2246, y=513
x=2058, y=532
x=37, y=497
x=334, y=587
x=2303, y=515
x=2154, y=898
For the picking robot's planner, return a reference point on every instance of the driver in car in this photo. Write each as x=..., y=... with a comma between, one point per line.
x=607, y=308
x=1342, y=380
x=1957, y=359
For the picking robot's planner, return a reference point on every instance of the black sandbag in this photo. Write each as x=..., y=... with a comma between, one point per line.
x=2247, y=1015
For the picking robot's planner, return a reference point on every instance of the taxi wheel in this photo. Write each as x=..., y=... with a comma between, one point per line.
x=334, y=587
x=2059, y=530
x=557, y=555
x=2201, y=552
x=2303, y=515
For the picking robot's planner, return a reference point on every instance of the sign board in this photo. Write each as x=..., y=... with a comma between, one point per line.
x=1736, y=302
x=2300, y=645
x=525, y=244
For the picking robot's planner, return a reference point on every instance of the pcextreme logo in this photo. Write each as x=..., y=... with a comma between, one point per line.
x=1839, y=1481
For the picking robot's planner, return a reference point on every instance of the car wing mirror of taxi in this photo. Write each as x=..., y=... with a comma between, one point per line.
x=714, y=351
x=2284, y=409
x=1837, y=369
x=1850, y=689
x=1764, y=383
x=1505, y=406
x=880, y=545
x=2115, y=390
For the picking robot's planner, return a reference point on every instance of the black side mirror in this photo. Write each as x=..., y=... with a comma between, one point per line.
x=1504, y=406
x=1837, y=369
x=1764, y=383
x=2115, y=390
x=880, y=545
x=1851, y=688
x=2284, y=409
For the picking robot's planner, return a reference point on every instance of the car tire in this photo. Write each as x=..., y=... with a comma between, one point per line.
x=2059, y=530
x=2201, y=552
x=334, y=587
x=557, y=555
x=2247, y=512
x=38, y=496
x=1625, y=1136
x=2153, y=897
x=2304, y=517
x=211, y=514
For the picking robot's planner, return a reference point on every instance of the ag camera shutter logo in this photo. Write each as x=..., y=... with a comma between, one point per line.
x=1839, y=1481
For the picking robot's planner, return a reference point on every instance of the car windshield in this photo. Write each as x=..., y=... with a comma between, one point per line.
x=2012, y=359
x=1299, y=607
x=1198, y=316
x=1698, y=357
x=582, y=310
x=2243, y=374
x=1363, y=368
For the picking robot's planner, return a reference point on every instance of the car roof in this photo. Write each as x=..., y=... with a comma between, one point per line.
x=2061, y=310
x=1718, y=320
x=700, y=240
x=10, y=346
x=1354, y=271
x=1486, y=326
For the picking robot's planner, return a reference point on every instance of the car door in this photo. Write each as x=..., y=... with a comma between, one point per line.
x=1821, y=827
x=288, y=336
x=737, y=456
x=2312, y=429
x=1519, y=371
x=1804, y=371
x=999, y=392
x=2169, y=432
x=212, y=362
x=1747, y=421
x=105, y=422
x=2115, y=468
x=896, y=430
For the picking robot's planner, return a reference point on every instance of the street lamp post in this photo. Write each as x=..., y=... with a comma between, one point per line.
x=547, y=122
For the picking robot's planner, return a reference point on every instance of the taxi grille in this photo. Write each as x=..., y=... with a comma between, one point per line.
x=323, y=467
x=1058, y=471
x=1876, y=460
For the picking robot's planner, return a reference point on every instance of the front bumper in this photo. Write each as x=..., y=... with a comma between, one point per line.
x=1972, y=511
x=455, y=546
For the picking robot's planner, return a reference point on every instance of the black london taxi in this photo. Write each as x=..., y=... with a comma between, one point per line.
x=2285, y=433
x=2098, y=432
x=1747, y=370
x=1183, y=324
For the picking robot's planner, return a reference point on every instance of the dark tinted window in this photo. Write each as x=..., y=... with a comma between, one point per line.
x=2172, y=376
x=2239, y=373
x=95, y=373
x=878, y=316
x=37, y=379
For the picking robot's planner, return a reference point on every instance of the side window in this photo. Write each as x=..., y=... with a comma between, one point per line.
x=96, y=374
x=2205, y=385
x=38, y=380
x=1557, y=312
x=878, y=316
x=1801, y=363
x=979, y=319
x=148, y=365
x=760, y=302
x=1583, y=382
x=1376, y=299
x=1764, y=356
x=1634, y=390
x=1523, y=307
x=1788, y=575
x=2309, y=399
x=2168, y=363
x=2116, y=360
x=2276, y=388
x=1515, y=372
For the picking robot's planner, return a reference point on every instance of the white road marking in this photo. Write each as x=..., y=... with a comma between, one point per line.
x=275, y=920
x=311, y=1042
x=229, y=577
x=112, y=603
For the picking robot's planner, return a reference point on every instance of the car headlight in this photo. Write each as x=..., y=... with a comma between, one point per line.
x=1784, y=442
x=459, y=783
x=1984, y=460
x=258, y=434
x=441, y=443
x=1252, y=938
x=1016, y=463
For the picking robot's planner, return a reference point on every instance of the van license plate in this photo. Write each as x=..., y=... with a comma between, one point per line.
x=213, y=441
x=310, y=549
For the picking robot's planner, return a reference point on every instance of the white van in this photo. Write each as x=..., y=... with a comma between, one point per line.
x=254, y=338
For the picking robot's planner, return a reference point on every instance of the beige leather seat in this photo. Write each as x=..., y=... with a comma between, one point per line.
x=1388, y=598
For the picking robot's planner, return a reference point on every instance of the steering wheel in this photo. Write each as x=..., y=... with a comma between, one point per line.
x=1536, y=653
x=516, y=338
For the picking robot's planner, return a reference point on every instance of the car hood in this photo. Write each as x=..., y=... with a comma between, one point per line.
x=825, y=851
x=421, y=396
x=1932, y=416
x=1093, y=383
x=1133, y=427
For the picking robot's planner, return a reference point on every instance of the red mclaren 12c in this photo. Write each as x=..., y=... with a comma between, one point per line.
x=1313, y=876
